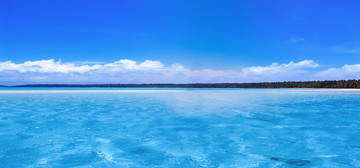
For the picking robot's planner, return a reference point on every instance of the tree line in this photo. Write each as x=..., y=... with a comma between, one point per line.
x=289, y=84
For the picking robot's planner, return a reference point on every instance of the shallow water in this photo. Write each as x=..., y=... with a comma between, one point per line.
x=187, y=128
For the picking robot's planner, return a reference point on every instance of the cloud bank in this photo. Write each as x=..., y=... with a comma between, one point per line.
x=129, y=71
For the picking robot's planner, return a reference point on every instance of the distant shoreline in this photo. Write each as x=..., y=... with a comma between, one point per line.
x=291, y=84
x=85, y=91
x=169, y=91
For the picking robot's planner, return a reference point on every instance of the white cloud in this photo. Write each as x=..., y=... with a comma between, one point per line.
x=126, y=64
x=297, y=40
x=129, y=71
x=278, y=68
x=45, y=66
x=344, y=72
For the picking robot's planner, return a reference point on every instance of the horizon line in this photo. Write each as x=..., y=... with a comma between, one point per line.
x=353, y=83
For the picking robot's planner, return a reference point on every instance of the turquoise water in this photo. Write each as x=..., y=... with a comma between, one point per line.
x=186, y=128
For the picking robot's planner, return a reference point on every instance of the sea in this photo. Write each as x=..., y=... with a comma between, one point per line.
x=167, y=127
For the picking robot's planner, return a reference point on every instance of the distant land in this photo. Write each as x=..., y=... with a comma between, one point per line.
x=290, y=84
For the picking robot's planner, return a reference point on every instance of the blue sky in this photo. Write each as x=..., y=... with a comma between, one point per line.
x=228, y=36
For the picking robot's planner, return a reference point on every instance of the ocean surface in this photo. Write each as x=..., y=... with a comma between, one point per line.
x=179, y=128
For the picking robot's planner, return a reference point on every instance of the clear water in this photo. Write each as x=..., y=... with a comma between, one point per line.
x=187, y=128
